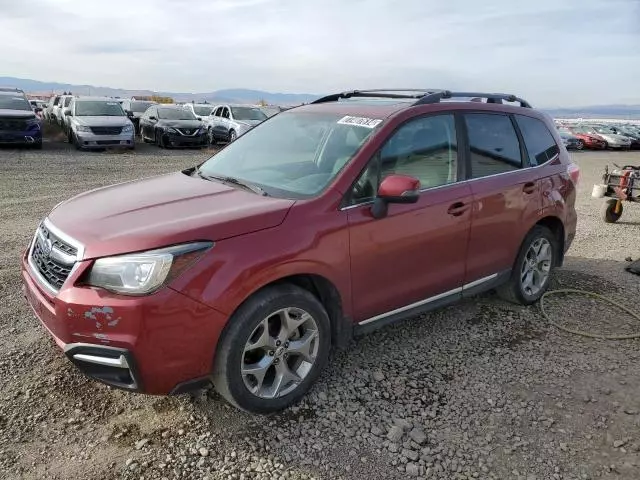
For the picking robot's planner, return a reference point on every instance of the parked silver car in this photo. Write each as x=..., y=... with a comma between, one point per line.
x=98, y=122
x=613, y=140
x=228, y=122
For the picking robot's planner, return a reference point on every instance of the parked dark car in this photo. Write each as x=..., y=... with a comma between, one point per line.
x=570, y=141
x=172, y=126
x=19, y=124
x=135, y=109
x=326, y=220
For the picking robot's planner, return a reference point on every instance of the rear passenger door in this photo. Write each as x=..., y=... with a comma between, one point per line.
x=506, y=195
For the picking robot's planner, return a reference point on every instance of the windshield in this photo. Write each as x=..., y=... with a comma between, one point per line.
x=12, y=102
x=98, y=108
x=248, y=113
x=175, y=114
x=604, y=130
x=292, y=155
x=202, y=111
x=140, y=107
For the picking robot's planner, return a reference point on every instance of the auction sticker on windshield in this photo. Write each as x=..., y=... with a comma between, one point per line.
x=360, y=121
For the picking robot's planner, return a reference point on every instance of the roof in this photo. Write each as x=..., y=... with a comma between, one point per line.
x=366, y=108
x=83, y=98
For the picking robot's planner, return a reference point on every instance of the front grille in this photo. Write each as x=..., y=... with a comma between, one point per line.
x=106, y=130
x=13, y=125
x=59, y=244
x=51, y=269
x=187, y=131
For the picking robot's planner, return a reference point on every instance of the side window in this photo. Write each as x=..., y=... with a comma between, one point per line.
x=225, y=112
x=152, y=112
x=494, y=144
x=217, y=112
x=425, y=148
x=541, y=146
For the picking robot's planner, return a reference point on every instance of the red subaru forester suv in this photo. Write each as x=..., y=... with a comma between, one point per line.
x=324, y=221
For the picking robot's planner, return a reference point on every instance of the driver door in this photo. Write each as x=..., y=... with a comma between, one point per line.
x=416, y=254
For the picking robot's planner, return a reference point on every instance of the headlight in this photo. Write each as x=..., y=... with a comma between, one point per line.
x=145, y=272
x=170, y=130
x=127, y=128
x=82, y=128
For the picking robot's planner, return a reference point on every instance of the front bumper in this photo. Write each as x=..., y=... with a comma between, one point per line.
x=178, y=140
x=157, y=344
x=22, y=138
x=91, y=140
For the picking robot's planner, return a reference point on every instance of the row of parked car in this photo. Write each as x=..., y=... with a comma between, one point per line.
x=100, y=122
x=596, y=136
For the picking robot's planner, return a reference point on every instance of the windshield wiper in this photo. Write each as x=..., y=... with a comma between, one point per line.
x=234, y=181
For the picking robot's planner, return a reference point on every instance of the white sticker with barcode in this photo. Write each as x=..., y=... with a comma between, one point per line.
x=360, y=121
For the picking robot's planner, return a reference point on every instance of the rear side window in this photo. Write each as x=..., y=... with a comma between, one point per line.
x=541, y=146
x=494, y=144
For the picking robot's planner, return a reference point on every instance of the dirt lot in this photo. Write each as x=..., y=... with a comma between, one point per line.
x=479, y=390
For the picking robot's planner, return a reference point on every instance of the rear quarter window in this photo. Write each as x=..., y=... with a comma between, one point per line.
x=540, y=144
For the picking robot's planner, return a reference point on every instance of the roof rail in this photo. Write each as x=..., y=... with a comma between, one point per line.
x=378, y=93
x=435, y=97
x=423, y=96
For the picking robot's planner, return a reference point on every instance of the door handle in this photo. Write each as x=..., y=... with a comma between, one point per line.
x=458, y=209
x=529, y=187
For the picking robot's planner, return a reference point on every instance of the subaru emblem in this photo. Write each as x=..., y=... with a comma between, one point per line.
x=46, y=247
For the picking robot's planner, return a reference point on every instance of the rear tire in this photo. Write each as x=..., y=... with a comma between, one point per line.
x=533, y=268
x=609, y=214
x=280, y=331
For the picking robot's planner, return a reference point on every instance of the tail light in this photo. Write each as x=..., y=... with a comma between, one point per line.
x=574, y=172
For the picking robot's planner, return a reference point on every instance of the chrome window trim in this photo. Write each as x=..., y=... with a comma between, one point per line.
x=432, y=299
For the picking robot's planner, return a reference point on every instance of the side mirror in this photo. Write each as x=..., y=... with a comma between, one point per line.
x=395, y=189
x=67, y=111
x=37, y=109
x=129, y=113
x=153, y=118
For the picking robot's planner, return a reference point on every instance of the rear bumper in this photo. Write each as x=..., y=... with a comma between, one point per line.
x=158, y=344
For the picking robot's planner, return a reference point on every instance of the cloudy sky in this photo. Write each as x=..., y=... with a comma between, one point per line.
x=552, y=52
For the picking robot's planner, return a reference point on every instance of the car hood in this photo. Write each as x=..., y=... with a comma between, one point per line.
x=164, y=210
x=102, y=121
x=19, y=114
x=180, y=123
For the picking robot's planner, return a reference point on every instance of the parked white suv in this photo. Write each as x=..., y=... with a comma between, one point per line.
x=200, y=110
x=228, y=122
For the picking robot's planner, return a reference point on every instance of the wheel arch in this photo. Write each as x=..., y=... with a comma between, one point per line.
x=326, y=292
x=556, y=226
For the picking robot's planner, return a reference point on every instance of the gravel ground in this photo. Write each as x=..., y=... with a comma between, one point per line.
x=482, y=389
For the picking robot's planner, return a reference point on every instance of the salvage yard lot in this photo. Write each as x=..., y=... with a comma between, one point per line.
x=483, y=389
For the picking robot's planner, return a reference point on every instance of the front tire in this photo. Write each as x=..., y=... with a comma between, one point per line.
x=232, y=136
x=609, y=214
x=158, y=139
x=533, y=267
x=273, y=350
x=579, y=145
x=211, y=136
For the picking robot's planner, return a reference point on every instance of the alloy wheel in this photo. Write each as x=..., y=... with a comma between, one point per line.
x=280, y=353
x=536, y=266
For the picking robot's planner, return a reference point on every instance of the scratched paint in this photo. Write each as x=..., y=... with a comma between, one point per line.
x=102, y=315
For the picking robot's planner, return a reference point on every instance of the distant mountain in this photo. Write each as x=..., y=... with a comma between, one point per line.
x=229, y=96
